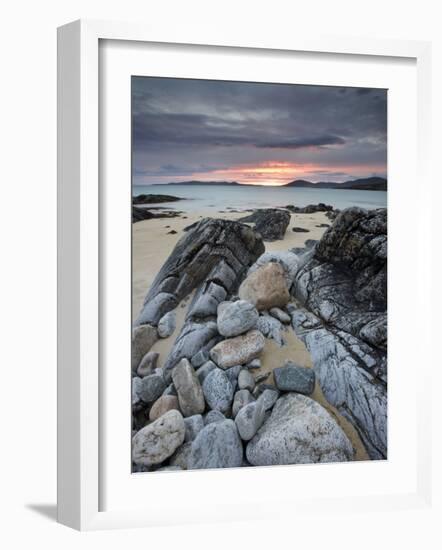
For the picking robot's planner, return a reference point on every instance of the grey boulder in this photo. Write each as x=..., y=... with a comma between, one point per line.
x=159, y=440
x=235, y=318
x=298, y=431
x=218, y=445
x=218, y=390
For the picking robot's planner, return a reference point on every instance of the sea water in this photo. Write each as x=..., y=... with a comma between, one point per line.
x=221, y=197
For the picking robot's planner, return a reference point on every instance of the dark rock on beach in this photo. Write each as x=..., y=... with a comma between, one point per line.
x=294, y=378
x=300, y=230
x=154, y=199
x=310, y=208
x=271, y=223
x=139, y=214
x=214, y=251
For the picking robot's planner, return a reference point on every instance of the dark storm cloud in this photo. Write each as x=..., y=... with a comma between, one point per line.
x=181, y=127
x=316, y=141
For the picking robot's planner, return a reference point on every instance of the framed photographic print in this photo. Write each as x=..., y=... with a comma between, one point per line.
x=231, y=272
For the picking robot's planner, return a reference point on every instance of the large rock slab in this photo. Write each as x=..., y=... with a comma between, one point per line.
x=298, y=431
x=271, y=223
x=217, y=445
x=218, y=390
x=293, y=378
x=188, y=387
x=235, y=318
x=341, y=286
x=238, y=350
x=218, y=251
x=158, y=441
x=266, y=287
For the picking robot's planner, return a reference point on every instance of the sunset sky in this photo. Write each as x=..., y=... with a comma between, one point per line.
x=267, y=134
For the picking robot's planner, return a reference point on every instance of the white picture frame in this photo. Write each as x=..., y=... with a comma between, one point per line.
x=80, y=261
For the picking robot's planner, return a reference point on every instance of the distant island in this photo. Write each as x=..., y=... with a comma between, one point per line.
x=197, y=182
x=364, y=184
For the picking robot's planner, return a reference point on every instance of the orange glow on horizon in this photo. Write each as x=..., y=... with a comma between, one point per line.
x=277, y=173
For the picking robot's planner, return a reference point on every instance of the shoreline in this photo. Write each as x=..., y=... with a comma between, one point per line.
x=152, y=242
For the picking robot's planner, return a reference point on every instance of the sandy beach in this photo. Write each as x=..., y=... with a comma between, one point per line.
x=152, y=244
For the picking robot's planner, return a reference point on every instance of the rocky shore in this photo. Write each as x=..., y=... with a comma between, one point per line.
x=139, y=213
x=218, y=378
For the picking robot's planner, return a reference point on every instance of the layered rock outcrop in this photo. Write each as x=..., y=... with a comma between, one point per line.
x=342, y=286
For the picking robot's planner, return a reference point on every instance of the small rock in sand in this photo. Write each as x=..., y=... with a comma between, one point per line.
x=292, y=377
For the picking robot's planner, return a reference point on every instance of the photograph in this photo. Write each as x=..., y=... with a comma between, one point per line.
x=259, y=274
